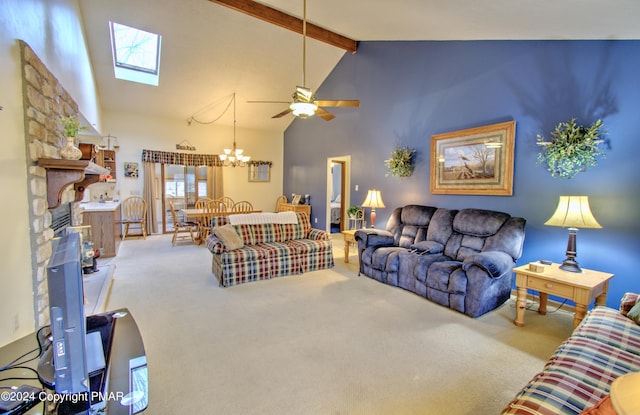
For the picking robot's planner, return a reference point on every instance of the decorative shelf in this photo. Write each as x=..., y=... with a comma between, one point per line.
x=61, y=173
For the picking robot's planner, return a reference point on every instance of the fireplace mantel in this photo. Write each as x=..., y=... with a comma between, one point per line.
x=61, y=173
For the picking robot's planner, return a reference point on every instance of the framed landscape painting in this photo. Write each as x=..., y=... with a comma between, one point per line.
x=475, y=161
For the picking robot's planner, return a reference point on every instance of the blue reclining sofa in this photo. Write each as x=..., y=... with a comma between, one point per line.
x=459, y=259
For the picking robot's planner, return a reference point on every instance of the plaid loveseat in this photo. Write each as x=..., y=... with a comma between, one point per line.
x=270, y=250
x=578, y=376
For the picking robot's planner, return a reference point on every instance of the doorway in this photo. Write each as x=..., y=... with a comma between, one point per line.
x=338, y=194
x=182, y=186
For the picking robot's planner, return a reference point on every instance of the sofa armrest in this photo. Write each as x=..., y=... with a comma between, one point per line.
x=494, y=263
x=318, y=235
x=214, y=244
x=373, y=237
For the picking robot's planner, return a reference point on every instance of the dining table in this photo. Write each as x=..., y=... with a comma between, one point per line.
x=196, y=215
x=193, y=213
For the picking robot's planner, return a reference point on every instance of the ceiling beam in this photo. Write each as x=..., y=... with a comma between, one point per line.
x=278, y=18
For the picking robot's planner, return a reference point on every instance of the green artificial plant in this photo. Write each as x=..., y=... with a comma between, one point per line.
x=71, y=126
x=355, y=212
x=572, y=148
x=400, y=162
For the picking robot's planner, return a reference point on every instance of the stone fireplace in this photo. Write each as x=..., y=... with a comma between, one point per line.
x=45, y=101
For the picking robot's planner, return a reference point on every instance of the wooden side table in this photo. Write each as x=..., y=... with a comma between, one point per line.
x=580, y=288
x=349, y=238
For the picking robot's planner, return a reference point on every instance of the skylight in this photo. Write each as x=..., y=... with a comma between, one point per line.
x=136, y=54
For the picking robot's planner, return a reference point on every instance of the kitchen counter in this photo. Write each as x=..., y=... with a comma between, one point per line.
x=99, y=207
x=104, y=219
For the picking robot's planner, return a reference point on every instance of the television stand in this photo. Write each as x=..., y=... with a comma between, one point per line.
x=121, y=388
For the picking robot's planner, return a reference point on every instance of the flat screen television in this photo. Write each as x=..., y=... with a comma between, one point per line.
x=70, y=355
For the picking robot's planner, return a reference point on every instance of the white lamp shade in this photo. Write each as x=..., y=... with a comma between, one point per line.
x=373, y=199
x=573, y=212
x=303, y=109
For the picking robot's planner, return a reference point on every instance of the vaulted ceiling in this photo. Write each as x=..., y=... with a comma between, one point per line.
x=210, y=51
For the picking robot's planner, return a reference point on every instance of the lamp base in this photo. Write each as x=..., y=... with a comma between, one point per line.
x=570, y=266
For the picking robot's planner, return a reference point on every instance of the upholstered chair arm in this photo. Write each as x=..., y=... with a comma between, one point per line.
x=214, y=244
x=373, y=237
x=495, y=263
x=318, y=235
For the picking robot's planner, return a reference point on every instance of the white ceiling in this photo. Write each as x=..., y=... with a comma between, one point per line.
x=209, y=51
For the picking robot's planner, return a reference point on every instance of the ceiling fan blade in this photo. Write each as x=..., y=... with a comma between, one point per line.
x=338, y=103
x=324, y=114
x=283, y=113
x=268, y=102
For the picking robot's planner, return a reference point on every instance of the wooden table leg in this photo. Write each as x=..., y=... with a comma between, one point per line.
x=581, y=309
x=346, y=250
x=601, y=300
x=521, y=306
x=542, y=309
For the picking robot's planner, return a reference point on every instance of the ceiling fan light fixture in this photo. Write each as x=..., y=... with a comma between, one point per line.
x=303, y=109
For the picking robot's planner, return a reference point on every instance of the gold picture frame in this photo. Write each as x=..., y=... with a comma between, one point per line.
x=475, y=161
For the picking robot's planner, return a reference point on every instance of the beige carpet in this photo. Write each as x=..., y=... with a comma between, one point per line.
x=327, y=342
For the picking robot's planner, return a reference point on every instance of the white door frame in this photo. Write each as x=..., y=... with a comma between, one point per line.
x=346, y=191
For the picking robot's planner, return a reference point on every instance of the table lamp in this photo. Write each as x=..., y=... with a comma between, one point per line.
x=572, y=212
x=373, y=201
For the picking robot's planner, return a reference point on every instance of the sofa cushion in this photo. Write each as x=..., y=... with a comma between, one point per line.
x=229, y=237
x=268, y=232
x=416, y=217
x=607, y=326
x=440, y=277
x=592, y=362
x=441, y=225
x=553, y=393
x=245, y=254
x=479, y=222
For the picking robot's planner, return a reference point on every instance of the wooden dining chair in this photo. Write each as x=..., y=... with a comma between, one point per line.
x=281, y=200
x=210, y=210
x=227, y=202
x=182, y=228
x=242, y=207
x=200, y=203
x=134, y=213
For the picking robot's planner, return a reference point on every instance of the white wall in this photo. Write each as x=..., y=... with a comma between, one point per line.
x=135, y=134
x=52, y=29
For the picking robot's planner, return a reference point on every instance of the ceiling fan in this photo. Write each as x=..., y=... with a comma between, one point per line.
x=304, y=103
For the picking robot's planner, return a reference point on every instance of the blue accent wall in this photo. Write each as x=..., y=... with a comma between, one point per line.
x=409, y=91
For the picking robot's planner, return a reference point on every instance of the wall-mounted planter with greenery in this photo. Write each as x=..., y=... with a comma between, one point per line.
x=400, y=162
x=572, y=149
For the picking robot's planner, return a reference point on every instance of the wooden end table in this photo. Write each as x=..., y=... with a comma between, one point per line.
x=349, y=238
x=580, y=288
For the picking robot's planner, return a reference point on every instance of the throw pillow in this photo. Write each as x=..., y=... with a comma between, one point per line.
x=604, y=407
x=634, y=313
x=628, y=301
x=229, y=237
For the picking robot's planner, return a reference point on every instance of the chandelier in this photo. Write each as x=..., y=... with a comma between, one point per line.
x=234, y=156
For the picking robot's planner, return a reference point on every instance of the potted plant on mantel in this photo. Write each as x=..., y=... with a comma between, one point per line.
x=71, y=127
x=572, y=149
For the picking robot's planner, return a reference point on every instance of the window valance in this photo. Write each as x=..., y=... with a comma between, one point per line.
x=181, y=159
